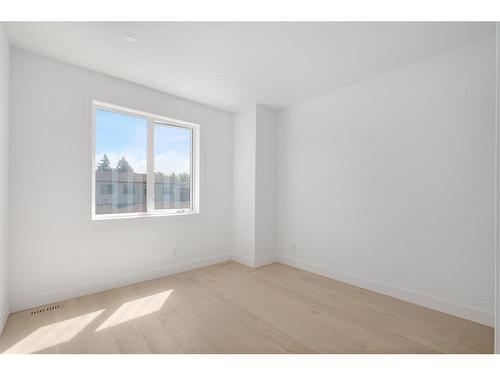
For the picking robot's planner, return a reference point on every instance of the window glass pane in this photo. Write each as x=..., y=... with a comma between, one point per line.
x=120, y=155
x=172, y=160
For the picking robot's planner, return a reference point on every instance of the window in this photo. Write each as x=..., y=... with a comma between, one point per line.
x=129, y=188
x=172, y=159
x=143, y=164
x=106, y=188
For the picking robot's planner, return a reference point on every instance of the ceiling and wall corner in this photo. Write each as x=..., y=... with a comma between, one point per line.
x=278, y=64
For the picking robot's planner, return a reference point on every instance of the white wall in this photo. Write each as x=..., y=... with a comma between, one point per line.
x=389, y=183
x=497, y=244
x=254, y=186
x=244, y=148
x=265, y=181
x=4, y=168
x=58, y=252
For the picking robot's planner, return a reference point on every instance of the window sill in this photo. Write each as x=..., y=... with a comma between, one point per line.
x=136, y=215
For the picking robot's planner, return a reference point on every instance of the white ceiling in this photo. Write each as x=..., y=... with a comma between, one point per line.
x=277, y=63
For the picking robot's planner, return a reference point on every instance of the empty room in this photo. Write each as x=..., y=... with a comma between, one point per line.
x=248, y=187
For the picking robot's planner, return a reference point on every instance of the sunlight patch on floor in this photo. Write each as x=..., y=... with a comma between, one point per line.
x=135, y=309
x=53, y=334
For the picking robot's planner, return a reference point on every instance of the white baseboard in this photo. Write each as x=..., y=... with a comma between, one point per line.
x=264, y=261
x=253, y=263
x=19, y=304
x=243, y=260
x=449, y=307
x=4, y=315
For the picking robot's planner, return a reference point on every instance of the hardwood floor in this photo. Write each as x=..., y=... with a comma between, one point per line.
x=230, y=308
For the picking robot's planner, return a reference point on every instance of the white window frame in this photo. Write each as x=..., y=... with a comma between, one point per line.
x=152, y=121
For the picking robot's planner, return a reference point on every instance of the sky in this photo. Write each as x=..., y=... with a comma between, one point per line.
x=120, y=135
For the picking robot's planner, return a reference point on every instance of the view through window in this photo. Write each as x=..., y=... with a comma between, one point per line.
x=132, y=151
x=172, y=161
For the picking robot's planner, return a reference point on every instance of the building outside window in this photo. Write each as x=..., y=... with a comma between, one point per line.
x=144, y=164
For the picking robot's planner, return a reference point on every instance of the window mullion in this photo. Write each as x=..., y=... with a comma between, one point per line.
x=150, y=184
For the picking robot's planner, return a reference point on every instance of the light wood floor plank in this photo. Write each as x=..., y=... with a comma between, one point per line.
x=472, y=337
x=231, y=308
x=190, y=340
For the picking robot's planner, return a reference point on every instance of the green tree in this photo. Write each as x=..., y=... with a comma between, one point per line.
x=104, y=165
x=184, y=178
x=123, y=165
x=172, y=178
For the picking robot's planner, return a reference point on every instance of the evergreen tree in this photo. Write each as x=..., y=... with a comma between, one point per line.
x=123, y=165
x=104, y=165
